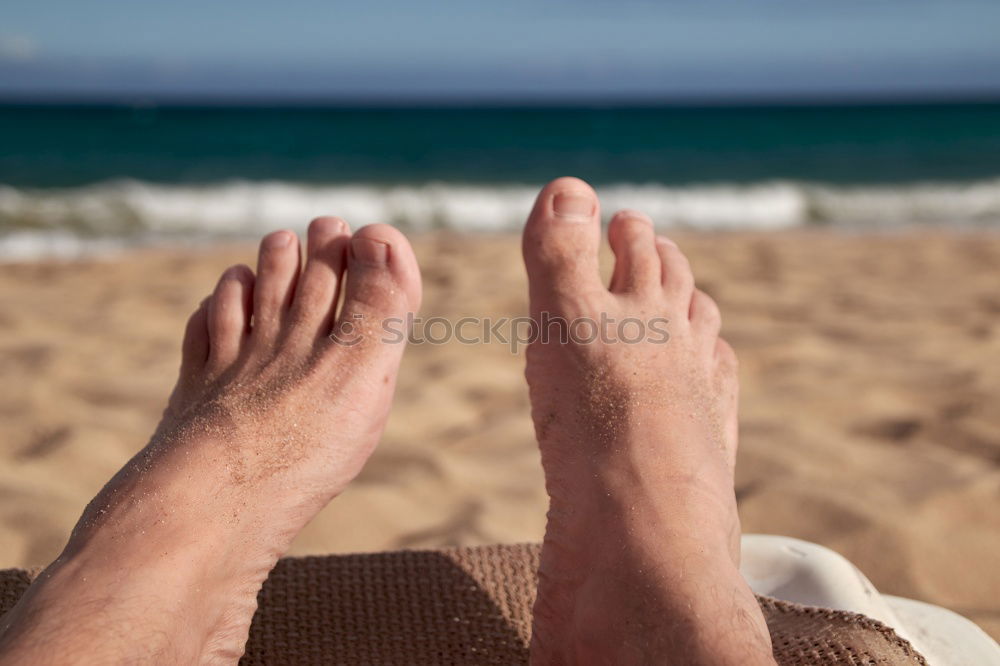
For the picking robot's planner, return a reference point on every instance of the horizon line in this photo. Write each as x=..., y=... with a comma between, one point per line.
x=111, y=99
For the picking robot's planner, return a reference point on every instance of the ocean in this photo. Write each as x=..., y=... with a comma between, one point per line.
x=81, y=178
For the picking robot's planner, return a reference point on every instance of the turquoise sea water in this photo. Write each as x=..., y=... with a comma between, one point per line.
x=59, y=146
x=103, y=172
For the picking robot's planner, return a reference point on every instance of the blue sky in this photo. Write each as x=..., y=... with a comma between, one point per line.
x=406, y=50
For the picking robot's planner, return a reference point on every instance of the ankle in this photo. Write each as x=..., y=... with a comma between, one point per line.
x=169, y=595
x=638, y=612
x=607, y=521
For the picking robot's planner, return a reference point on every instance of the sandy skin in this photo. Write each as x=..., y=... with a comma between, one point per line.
x=267, y=424
x=271, y=419
x=638, y=441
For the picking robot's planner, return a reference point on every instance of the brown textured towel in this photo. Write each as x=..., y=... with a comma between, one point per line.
x=468, y=606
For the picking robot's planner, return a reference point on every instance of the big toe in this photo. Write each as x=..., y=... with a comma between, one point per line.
x=561, y=241
x=382, y=287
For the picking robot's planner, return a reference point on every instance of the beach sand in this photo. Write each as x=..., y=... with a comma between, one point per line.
x=869, y=402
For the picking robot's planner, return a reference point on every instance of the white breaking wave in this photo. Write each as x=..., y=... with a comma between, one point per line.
x=71, y=221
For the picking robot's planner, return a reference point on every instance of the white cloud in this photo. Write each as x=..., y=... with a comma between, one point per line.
x=17, y=47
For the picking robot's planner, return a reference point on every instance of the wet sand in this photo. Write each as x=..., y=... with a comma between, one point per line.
x=869, y=419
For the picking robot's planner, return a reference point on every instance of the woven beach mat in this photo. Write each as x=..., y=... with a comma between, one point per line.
x=469, y=606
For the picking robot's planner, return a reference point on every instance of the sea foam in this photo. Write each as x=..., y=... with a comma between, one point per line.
x=71, y=221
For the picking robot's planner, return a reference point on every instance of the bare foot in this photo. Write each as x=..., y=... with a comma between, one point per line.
x=638, y=441
x=270, y=419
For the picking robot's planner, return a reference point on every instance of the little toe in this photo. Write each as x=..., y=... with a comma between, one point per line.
x=729, y=387
x=637, y=262
x=229, y=311
x=277, y=273
x=560, y=244
x=675, y=275
x=194, y=349
x=382, y=287
x=318, y=290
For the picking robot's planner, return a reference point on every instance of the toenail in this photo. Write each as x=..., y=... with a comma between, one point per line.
x=663, y=240
x=635, y=215
x=369, y=251
x=278, y=240
x=336, y=224
x=574, y=206
x=232, y=273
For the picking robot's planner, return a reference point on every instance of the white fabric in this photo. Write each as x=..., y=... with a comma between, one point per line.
x=806, y=573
